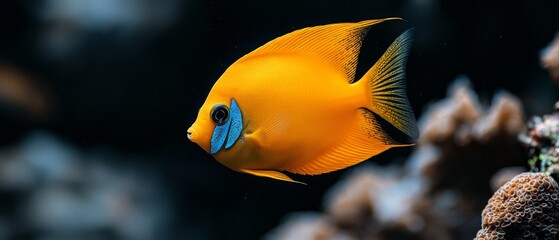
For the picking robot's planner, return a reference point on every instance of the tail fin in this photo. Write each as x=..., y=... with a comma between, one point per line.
x=387, y=86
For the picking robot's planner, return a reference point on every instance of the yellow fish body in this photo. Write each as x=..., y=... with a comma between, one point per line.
x=294, y=104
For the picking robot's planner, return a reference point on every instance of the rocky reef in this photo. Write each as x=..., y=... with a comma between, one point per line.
x=466, y=150
x=527, y=207
x=467, y=153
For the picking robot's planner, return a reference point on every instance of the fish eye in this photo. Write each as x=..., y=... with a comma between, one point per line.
x=219, y=114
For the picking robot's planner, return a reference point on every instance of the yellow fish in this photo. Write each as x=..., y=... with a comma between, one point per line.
x=295, y=105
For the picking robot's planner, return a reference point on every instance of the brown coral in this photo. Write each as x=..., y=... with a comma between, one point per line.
x=24, y=93
x=527, y=207
x=306, y=226
x=550, y=58
x=504, y=175
x=467, y=135
x=350, y=203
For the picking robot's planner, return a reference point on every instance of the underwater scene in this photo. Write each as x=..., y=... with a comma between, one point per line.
x=279, y=120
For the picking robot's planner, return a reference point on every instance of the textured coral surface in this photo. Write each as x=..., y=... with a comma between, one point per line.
x=527, y=207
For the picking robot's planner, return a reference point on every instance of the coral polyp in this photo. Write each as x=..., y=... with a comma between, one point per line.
x=526, y=207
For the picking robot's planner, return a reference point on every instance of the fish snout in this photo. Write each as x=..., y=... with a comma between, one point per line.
x=196, y=134
x=192, y=134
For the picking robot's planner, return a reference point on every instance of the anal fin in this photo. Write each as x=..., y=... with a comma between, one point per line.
x=271, y=174
x=364, y=139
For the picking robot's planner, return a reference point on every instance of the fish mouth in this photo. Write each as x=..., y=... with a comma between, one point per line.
x=192, y=134
x=196, y=135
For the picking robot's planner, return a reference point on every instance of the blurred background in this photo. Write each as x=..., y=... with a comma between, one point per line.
x=96, y=97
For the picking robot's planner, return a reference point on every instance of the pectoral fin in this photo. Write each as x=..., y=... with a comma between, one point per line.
x=271, y=174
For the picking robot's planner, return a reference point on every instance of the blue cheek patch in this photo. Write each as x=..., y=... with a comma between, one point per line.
x=218, y=136
x=230, y=131
x=236, y=124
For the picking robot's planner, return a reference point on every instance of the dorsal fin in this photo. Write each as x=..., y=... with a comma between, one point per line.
x=337, y=44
